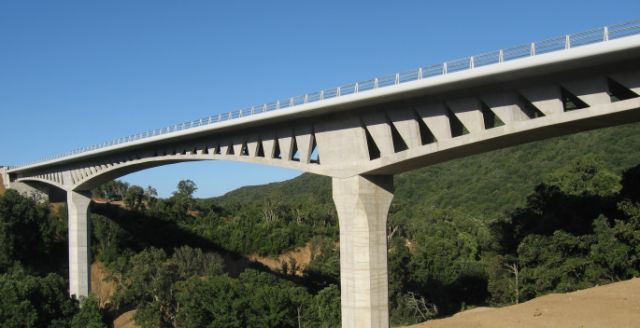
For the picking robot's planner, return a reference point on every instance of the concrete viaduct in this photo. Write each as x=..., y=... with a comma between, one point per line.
x=363, y=133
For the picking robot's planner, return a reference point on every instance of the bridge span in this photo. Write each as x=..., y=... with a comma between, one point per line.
x=364, y=133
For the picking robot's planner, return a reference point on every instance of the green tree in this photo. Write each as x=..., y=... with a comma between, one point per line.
x=215, y=302
x=613, y=259
x=326, y=308
x=134, y=198
x=112, y=190
x=187, y=188
x=182, y=199
x=631, y=183
x=27, y=233
x=109, y=239
x=148, y=285
x=150, y=192
x=31, y=301
x=585, y=176
x=554, y=263
x=273, y=303
x=192, y=262
x=89, y=315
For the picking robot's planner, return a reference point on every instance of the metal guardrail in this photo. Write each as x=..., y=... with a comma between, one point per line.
x=597, y=35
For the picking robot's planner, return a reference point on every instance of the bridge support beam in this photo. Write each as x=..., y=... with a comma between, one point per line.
x=79, y=243
x=363, y=203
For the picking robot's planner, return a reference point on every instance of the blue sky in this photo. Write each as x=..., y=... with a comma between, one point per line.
x=75, y=73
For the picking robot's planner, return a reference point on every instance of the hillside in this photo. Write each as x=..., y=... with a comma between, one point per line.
x=564, y=212
x=510, y=174
x=613, y=305
x=561, y=215
x=485, y=184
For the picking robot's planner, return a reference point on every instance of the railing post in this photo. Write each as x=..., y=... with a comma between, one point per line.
x=472, y=63
x=444, y=68
x=355, y=88
x=397, y=78
x=278, y=104
x=338, y=92
x=605, y=34
x=420, y=73
x=375, y=83
x=533, y=49
x=322, y=95
x=306, y=98
x=567, y=42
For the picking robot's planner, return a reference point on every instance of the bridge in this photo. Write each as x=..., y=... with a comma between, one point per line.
x=364, y=133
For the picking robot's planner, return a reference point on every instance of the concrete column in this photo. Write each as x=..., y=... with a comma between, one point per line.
x=4, y=177
x=79, y=243
x=363, y=203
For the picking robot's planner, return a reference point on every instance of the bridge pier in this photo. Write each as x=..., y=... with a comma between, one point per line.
x=363, y=203
x=79, y=243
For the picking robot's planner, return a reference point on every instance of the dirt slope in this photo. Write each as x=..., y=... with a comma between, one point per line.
x=126, y=320
x=301, y=255
x=613, y=305
x=100, y=285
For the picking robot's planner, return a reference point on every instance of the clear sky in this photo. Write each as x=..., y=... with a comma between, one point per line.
x=75, y=73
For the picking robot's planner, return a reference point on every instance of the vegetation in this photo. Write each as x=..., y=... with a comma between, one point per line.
x=490, y=229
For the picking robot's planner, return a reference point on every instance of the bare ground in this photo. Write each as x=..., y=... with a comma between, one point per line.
x=125, y=320
x=100, y=285
x=301, y=255
x=104, y=289
x=613, y=305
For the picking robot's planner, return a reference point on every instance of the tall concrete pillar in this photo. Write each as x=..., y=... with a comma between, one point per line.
x=363, y=203
x=79, y=243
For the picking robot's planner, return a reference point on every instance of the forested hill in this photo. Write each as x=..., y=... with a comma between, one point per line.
x=481, y=185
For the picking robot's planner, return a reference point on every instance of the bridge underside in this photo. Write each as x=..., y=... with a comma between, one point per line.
x=362, y=148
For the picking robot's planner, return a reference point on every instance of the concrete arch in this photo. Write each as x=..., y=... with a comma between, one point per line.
x=30, y=180
x=116, y=171
x=40, y=189
x=104, y=173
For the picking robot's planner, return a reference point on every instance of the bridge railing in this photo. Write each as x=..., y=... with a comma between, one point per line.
x=597, y=35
